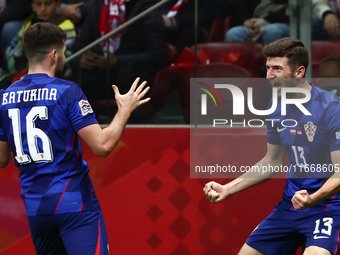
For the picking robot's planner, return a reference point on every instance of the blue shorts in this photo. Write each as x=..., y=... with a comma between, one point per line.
x=284, y=231
x=82, y=233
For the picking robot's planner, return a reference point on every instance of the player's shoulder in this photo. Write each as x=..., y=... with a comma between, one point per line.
x=68, y=91
x=328, y=103
x=64, y=87
x=42, y=80
x=63, y=82
x=326, y=97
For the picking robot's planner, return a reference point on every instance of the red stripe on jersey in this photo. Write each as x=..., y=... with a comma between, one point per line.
x=68, y=131
x=30, y=185
x=57, y=169
x=55, y=212
x=330, y=203
x=73, y=141
x=336, y=248
x=98, y=241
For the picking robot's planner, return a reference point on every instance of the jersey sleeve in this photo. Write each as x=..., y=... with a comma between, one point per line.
x=273, y=137
x=332, y=119
x=80, y=111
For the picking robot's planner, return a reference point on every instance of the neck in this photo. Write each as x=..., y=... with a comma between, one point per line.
x=40, y=69
x=303, y=83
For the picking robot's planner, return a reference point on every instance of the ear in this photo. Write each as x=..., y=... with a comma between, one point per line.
x=52, y=58
x=53, y=54
x=300, y=72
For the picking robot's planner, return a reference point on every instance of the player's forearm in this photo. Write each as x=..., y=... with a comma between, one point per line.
x=330, y=188
x=113, y=132
x=241, y=184
x=102, y=141
x=252, y=178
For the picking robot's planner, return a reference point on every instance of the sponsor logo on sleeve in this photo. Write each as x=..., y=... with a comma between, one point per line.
x=337, y=135
x=85, y=107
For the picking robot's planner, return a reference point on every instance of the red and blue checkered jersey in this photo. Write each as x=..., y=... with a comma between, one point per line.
x=309, y=139
x=40, y=117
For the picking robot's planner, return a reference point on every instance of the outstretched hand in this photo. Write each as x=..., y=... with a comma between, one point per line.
x=215, y=192
x=133, y=98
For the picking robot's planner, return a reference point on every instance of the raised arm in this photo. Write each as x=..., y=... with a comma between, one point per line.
x=302, y=200
x=275, y=156
x=102, y=140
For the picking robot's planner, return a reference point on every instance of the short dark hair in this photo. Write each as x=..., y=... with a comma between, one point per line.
x=40, y=38
x=290, y=48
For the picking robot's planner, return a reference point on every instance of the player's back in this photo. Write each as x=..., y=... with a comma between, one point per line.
x=40, y=117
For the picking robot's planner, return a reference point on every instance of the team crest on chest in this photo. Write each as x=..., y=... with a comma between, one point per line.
x=310, y=129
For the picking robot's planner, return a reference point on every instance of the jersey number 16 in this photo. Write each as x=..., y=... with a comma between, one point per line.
x=32, y=134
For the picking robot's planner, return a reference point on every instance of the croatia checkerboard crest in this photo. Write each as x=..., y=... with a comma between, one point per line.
x=310, y=129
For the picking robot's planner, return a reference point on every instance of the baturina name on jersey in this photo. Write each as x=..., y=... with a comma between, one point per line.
x=30, y=95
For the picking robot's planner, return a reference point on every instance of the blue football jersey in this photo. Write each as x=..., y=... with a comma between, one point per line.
x=308, y=140
x=40, y=116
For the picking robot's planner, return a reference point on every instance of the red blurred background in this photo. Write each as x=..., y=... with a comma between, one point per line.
x=150, y=203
